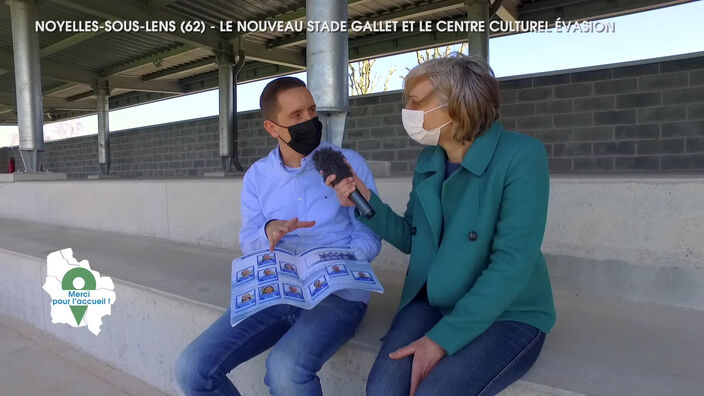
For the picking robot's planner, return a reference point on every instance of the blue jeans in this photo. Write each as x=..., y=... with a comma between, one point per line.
x=302, y=339
x=485, y=366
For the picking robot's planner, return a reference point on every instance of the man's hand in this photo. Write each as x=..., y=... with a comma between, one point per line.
x=345, y=187
x=276, y=229
x=426, y=355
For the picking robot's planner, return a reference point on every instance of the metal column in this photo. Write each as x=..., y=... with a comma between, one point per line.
x=327, y=58
x=102, y=93
x=25, y=46
x=236, y=71
x=223, y=58
x=478, y=10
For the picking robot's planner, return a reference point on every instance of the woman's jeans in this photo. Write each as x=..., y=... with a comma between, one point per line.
x=485, y=366
x=302, y=339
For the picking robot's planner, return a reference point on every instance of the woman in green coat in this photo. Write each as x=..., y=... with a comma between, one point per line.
x=477, y=302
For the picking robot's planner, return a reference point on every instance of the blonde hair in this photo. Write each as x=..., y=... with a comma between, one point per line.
x=468, y=86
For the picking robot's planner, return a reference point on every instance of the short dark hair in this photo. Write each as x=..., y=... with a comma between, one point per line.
x=269, y=99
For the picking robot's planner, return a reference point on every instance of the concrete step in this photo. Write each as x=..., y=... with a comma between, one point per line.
x=606, y=235
x=35, y=363
x=599, y=346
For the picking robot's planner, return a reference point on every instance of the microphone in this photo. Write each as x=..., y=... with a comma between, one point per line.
x=332, y=162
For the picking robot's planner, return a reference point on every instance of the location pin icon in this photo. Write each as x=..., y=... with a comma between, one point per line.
x=88, y=284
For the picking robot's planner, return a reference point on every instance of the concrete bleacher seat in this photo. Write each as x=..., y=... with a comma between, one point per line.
x=168, y=292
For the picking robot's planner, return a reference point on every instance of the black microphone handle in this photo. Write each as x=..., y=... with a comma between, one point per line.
x=362, y=205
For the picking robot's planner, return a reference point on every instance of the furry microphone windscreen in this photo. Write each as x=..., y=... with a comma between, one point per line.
x=331, y=162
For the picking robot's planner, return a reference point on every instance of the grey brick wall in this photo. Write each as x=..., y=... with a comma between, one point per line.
x=647, y=117
x=187, y=148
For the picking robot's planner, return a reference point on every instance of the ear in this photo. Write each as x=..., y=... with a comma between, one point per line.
x=270, y=128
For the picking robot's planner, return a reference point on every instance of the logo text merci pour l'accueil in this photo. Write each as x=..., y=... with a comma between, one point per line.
x=79, y=295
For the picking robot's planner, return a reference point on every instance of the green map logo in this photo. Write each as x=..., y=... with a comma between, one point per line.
x=79, y=296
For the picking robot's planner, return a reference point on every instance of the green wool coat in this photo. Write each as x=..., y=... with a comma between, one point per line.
x=475, y=238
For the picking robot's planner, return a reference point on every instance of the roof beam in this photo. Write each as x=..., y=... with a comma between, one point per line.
x=67, y=42
x=52, y=70
x=136, y=84
x=508, y=11
x=84, y=95
x=6, y=109
x=179, y=69
x=58, y=88
x=260, y=53
x=253, y=71
x=130, y=99
x=61, y=104
x=61, y=72
x=145, y=60
x=156, y=4
x=8, y=99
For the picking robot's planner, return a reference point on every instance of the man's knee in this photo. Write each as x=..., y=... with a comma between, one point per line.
x=285, y=370
x=188, y=373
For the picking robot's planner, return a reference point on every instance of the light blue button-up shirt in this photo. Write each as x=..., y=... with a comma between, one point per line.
x=273, y=191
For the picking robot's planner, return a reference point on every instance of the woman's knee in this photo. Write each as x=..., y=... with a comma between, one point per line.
x=388, y=376
x=376, y=384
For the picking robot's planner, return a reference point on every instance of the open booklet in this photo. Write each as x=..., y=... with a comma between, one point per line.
x=263, y=278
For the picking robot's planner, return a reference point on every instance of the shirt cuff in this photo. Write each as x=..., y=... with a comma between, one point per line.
x=262, y=233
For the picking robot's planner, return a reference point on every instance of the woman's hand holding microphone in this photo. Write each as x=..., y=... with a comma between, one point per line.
x=345, y=187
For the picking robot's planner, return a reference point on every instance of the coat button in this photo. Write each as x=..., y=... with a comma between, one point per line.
x=413, y=230
x=473, y=236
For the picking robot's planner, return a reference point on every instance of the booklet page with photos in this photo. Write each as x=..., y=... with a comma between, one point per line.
x=265, y=278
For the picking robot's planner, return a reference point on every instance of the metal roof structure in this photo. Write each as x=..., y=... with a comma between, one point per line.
x=144, y=67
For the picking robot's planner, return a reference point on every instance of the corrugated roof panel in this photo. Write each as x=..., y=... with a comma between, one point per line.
x=193, y=71
x=5, y=28
x=108, y=50
x=169, y=62
x=214, y=11
x=49, y=11
x=7, y=83
x=74, y=90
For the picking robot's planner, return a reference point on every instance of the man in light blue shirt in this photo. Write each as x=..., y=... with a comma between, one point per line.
x=285, y=203
x=272, y=191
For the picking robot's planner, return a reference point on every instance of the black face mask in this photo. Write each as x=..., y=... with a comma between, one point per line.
x=305, y=136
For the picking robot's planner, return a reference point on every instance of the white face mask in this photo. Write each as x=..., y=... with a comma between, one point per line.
x=413, y=124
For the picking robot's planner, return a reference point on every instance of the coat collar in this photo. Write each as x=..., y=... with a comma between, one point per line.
x=429, y=189
x=477, y=158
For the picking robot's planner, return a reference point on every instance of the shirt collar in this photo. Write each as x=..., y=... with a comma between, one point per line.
x=306, y=162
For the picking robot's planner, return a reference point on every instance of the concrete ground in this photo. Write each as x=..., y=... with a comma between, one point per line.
x=34, y=363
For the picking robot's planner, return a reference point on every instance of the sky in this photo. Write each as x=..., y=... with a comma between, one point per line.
x=663, y=32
